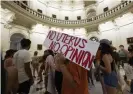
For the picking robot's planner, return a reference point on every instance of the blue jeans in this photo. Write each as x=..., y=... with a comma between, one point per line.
x=111, y=79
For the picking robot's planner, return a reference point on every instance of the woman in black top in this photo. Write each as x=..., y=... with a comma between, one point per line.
x=107, y=67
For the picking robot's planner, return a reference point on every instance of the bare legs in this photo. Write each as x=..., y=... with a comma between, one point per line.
x=90, y=77
x=103, y=85
x=35, y=68
x=12, y=80
x=111, y=90
x=107, y=89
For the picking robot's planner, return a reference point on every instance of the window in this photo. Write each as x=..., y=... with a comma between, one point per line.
x=130, y=40
x=39, y=10
x=105, y=9
x=78, y=17
x=39, y=46
x=25, y=2
x=66, y=18
x=15, y=40
x=54, y=16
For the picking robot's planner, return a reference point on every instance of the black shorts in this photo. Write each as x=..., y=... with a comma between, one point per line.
x=24, y=87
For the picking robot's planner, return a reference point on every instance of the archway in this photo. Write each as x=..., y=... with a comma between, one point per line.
x=94, y=39
x=15, y=41
x=91, y=13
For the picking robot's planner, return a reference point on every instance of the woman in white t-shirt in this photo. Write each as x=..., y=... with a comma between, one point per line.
x=50, y=68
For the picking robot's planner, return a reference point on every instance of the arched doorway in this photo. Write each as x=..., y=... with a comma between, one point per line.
x=15, y=41
x=91, y=13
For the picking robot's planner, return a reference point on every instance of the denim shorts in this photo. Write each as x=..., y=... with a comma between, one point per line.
x=111, y=79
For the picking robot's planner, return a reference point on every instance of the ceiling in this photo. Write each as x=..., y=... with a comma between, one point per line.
x=87, y=3
x=72, y=3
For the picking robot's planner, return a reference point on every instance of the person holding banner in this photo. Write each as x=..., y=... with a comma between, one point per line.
x=74, y=77
x=107, y=65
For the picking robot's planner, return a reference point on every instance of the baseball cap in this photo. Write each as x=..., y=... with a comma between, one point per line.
x=105, y=41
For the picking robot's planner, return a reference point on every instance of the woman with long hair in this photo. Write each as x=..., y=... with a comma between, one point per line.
x=98, y=73
x=107, y=66
x=49, y=72
x=12, y=73
x=9, y=58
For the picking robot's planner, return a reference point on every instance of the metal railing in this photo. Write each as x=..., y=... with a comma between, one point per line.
x=73, y=22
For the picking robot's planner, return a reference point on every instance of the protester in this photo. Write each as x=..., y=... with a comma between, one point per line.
x=116, y=56
x=121, y=83
x=22, y=61
x=8, y=58
x=108, y=67
x=90, y=76
x=74, y=77
x=12, y=80
x=58, y=80
x=35, y=64
x=129, y=69
x=42, y=67
x=12, y=73
x=3, y=77
x=49, y=71
x=98, y=73
x=122, y=55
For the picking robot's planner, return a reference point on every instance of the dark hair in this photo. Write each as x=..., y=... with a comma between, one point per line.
x=35, y=53
x=25, y=43
x=66, y=61
x=106, y=49
x=10, y=53
x=50, y=52
x=121, y=46
x=130, y=48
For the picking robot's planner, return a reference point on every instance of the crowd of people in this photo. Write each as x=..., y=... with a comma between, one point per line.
x=65, y=77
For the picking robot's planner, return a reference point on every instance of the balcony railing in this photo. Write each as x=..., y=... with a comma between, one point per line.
x=75, y=23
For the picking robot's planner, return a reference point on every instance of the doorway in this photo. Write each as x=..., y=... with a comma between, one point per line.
x=15, y=41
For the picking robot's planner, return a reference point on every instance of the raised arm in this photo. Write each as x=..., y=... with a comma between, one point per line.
x=73, y=76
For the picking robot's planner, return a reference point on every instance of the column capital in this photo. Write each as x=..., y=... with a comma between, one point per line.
x=7, y=16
